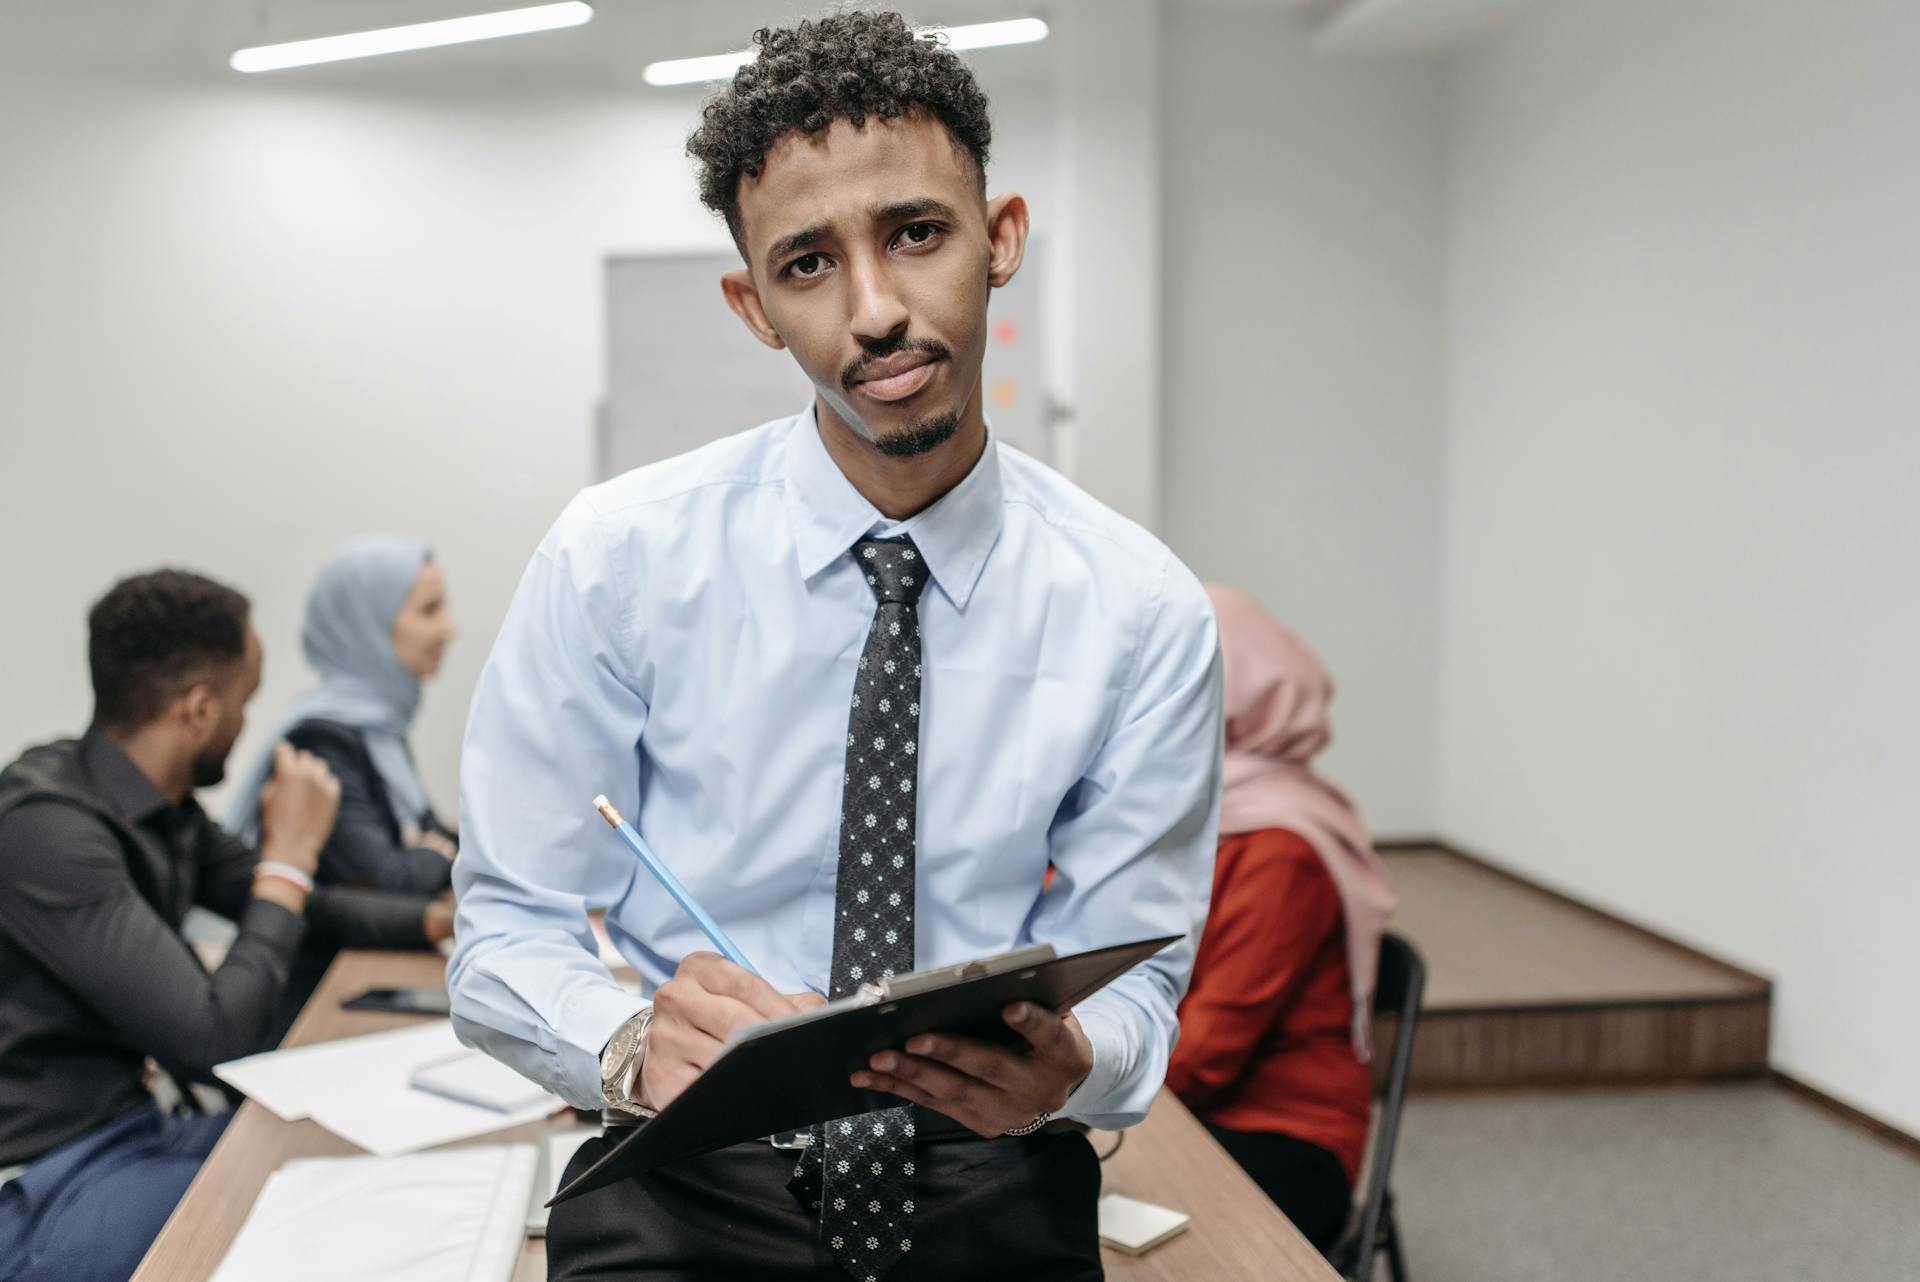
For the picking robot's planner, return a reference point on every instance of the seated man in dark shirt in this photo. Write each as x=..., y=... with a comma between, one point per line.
x=102, y=851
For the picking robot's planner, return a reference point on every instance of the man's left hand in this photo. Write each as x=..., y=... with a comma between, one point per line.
x=989, y=1089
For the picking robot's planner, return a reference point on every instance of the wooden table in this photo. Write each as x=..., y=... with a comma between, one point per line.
x=1170, y=1159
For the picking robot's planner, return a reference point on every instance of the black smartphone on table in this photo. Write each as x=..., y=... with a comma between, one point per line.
x=400, y=1001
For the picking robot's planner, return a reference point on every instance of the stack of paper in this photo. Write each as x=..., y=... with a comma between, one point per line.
x=359, y=1088
x=473, y=1077
x=452, y=1216
x=561, y=1146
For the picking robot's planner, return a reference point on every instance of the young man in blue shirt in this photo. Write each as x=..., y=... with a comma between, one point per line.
x=861, y=676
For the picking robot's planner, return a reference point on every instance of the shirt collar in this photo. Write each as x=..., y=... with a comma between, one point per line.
x=131, y=794
x=954, y=534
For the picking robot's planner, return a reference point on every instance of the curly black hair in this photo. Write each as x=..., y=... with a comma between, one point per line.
x=846, y=66
x=152, y=636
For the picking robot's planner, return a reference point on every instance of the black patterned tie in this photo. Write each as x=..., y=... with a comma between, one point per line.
x=866, y=1196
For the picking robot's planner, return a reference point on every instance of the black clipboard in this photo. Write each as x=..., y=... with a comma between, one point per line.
x=790, y=1073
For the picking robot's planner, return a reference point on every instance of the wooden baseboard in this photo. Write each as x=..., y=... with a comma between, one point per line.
x=1891, y=1134
x=1589, y=1045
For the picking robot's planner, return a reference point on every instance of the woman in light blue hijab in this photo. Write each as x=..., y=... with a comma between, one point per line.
x=376, y=624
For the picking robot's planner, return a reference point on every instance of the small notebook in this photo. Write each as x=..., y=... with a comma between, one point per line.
x=1136, y=1227
x=455, y=1215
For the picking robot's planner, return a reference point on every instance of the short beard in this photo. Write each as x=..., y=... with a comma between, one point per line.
x=928, y=434
x=922, y=437
x=210, y=768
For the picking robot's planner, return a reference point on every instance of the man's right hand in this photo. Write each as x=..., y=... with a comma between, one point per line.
x=297, y=808
x=707, y=999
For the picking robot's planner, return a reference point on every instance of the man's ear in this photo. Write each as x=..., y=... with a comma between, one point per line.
x=744, y=297
x=1006, y=237
x=199, y=709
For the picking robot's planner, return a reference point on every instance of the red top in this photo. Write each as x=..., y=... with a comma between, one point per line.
x=1265, y=1041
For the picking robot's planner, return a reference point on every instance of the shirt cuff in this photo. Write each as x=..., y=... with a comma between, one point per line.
x=1108, y=1035
x=588, y=1022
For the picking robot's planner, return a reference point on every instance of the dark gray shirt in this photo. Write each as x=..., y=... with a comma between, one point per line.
x=367, y=847
x=94, y=974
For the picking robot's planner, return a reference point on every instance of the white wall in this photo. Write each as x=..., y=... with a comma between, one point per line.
x=1680, y=672
x=1110, y=355
x=244, y=318
x=1301, y=437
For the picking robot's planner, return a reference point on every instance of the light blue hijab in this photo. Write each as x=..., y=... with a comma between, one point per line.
x=348, y=640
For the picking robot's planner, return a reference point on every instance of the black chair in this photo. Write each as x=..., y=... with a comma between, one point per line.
x=1396, y=992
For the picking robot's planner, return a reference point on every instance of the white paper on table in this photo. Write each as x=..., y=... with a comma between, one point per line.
x=289, y=1083
x=357, y=1087
x=475, y=1077
x=560, y=1148
x=405, y=1120
x=451, y=1216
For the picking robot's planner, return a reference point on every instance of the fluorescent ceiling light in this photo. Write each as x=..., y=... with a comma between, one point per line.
x=690, y=71
x=719, y=66
x=419, y=35
x=985, y=35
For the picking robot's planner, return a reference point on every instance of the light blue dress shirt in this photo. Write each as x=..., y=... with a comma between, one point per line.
x=685, y=641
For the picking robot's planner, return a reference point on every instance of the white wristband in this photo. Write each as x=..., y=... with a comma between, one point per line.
x=287, y=872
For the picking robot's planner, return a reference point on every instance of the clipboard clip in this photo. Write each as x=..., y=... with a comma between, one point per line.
x=896, y=987
x=794, y=1141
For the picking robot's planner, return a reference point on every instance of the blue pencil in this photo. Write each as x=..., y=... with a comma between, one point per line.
x=665, y=876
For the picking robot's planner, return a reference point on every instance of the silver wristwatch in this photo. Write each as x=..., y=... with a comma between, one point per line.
x=620, y=1063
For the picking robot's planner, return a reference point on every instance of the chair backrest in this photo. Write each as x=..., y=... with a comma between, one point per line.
x=1396, y=991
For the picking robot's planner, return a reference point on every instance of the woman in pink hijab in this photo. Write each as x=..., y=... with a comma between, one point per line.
x=1273, y=1043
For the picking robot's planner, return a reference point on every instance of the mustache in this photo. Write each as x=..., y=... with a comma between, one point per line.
x=932, y=348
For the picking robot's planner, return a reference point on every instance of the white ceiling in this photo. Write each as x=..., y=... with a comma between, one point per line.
x=191, y=38
x=1409, y=26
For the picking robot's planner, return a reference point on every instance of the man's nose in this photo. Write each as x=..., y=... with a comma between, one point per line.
x=878, y=311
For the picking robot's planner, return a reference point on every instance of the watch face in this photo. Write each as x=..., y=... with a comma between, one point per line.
x=619, y=1052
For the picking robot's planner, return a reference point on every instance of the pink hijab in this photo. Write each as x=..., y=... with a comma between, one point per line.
x=1277, y=691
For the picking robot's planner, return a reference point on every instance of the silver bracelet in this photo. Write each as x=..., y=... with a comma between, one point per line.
x=286, y=872
x=1039, y=1121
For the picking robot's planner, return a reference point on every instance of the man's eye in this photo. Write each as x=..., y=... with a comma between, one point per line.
x=806, y=265
x=918, y=233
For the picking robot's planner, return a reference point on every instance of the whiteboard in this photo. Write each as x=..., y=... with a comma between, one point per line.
x=682, y=370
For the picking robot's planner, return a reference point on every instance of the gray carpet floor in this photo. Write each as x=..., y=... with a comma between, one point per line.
x=1746, y=1183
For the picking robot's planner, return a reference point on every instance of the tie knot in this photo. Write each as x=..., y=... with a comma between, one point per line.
x=893, y=568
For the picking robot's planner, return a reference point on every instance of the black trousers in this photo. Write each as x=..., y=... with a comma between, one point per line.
x=1004, y=1209
x=1305, y=1181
